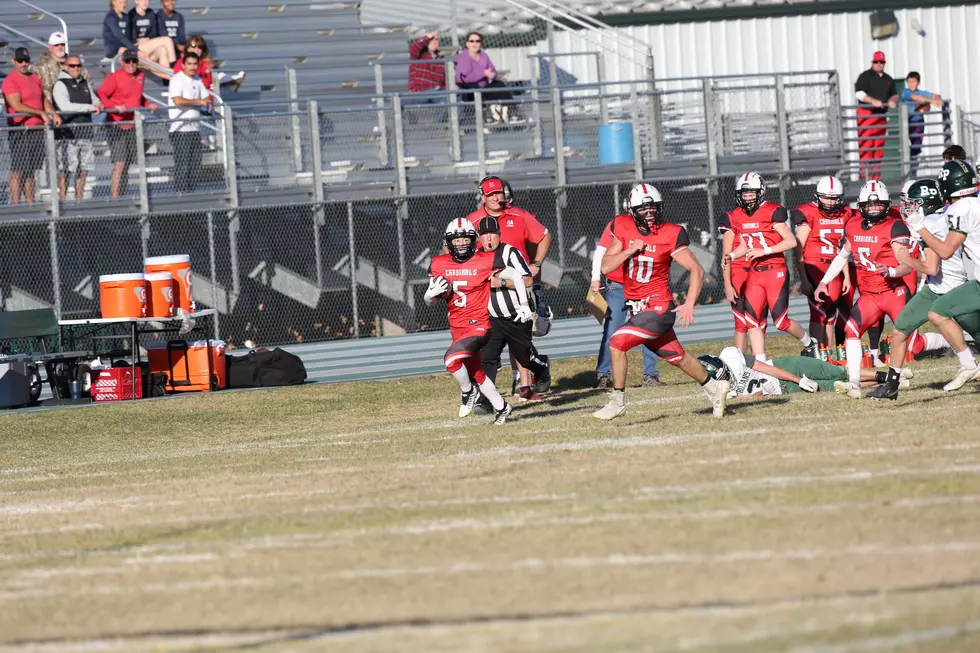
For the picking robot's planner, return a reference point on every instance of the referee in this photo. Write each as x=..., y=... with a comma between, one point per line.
x=509, y=325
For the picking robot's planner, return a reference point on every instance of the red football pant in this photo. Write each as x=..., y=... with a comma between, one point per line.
x=740, y=275
x=823, y=312
x=871, y=141
x=465, y=352
x=767, y=289
x=870, y=307
x=653, y=330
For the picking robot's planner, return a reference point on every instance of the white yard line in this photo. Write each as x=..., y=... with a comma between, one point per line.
x=891, y=642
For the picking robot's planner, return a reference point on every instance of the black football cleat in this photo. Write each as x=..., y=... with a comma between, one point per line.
x=884, y=391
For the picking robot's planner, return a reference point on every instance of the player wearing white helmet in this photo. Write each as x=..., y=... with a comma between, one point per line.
x=644, y=244
x=757, y=235
x=819, y=228
x=462, y=278
x=875, y=240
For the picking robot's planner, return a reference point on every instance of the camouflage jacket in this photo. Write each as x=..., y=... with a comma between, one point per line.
x=48, y=69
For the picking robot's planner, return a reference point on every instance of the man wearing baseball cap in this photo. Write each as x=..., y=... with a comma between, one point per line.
x=23, y=94
x=876, y=93
x=51, y=63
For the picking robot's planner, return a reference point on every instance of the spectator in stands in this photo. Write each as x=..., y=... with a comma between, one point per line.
x=22, y=93
x=170, y=22
x=123, y=91
x=141, y=26
x=114, y=30
x=49, y=68
x=918, y=102
x=188, y=97
x=875, y=91
x=426, y=76
x=954, y=153
x=197, y=45
x=76, y=102
x=475, y=70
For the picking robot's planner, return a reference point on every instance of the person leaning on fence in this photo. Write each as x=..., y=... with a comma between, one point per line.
x=875, y=91
x=123, y=91
x=170, y=22
x=474, y=70
x=49, y=67
x=23, y=94
x=188, y=98
x=918, y=102
x=77, y=103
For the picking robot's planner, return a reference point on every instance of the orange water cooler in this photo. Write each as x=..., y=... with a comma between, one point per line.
x=179, y=267
x=122, y=295
x=186, y=364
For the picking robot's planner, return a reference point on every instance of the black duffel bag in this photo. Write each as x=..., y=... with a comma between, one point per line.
x=263, y=368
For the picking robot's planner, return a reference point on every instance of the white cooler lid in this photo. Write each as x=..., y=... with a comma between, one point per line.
x=162, y=344
x=122, y=277
x=167, y=260
x=159, y=276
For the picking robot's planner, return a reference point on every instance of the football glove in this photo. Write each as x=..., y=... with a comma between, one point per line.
x=916, y=220
x=808, y=384
x=437, y=288
x=524, y=314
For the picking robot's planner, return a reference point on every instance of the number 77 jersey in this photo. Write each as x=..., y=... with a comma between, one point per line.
x=647, y=273
x=757, y=229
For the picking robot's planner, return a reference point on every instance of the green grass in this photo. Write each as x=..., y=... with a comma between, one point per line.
x=367, y=517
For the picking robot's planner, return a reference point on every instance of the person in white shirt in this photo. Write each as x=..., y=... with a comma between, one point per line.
x=188, y=97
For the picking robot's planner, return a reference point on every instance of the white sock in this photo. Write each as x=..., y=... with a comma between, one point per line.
x=761, y=357
x=489, y=391
x=806, y=339
x=852, y=347
x=618, y=397
x=966, y=358
x=934, y=341
x=463, y=377
x=873, y=352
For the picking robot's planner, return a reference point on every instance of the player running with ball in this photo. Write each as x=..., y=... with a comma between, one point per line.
x=462, y=278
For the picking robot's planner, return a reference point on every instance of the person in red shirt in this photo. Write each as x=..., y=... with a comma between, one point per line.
x=644, y=245
x=426, y=76
x=123, y=91
x=819, y=229
x=463, y=278
x=874, y=241
x=522, y=231
x=23, y=93
x=761, y=231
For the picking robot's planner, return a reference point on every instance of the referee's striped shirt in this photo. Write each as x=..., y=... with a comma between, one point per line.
x=504, y=301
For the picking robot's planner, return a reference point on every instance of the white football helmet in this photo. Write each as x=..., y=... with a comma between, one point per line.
x=646, y=206
x=874, y=202
x=461, y=228
x=829, y=195
x=750, y=181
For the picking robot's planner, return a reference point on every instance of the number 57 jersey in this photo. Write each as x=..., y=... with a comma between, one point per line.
x=826, y=231
x=647, y=273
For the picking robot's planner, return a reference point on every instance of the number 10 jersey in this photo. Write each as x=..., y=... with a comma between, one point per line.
x=646, y=274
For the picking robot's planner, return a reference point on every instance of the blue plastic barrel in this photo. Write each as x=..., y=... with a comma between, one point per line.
x=616, y=143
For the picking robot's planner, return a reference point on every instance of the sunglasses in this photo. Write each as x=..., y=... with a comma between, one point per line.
x=474, y=41
x=73, y=65
x=22, y=60
x=877, y=61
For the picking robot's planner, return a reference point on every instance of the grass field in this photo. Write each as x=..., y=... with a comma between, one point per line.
x=365, y=517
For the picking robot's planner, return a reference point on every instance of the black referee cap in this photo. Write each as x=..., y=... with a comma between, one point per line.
x=488, y=225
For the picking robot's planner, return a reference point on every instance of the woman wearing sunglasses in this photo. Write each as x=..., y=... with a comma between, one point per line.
x=474, y=70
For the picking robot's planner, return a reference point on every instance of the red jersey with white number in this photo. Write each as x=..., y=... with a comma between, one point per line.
x=647, y=273
x=757, y=229
x=872, y=247
x=517, y=227
x=826, y=231
x=469, y=283
x=605, y=240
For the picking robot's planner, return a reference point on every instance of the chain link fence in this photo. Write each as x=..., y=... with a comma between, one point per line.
x=328, y=270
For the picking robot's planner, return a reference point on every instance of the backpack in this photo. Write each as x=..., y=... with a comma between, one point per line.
x=263, y=368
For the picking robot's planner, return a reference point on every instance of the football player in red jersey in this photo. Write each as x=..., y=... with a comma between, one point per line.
x=462, y=277
x=644, y=245
x=760, y=233
x=819, y=229
x=874, y=240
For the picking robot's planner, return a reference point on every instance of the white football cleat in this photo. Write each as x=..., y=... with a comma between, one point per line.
x=467, y=400
x=613, y=409
x=848, y=389
x=717, y=392
x=906, y=373
x=904, y=384
x=963, y=375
